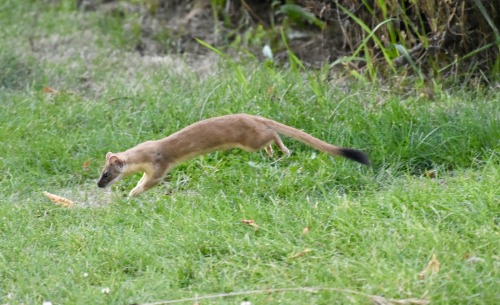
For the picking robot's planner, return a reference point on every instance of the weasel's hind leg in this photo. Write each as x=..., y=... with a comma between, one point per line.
x=265, y=139
x=280, y=145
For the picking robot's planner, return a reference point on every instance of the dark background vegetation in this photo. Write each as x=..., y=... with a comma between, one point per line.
x=422, y=38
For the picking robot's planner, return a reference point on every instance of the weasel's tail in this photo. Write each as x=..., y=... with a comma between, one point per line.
x=349, y=153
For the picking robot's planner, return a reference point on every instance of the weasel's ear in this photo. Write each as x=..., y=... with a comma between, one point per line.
x=108, y=155
x=115, y=160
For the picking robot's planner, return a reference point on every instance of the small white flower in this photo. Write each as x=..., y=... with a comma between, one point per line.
x=268, y=53
x=246, y=303
x=105, y=290
x=85, y=274
x=47, y=303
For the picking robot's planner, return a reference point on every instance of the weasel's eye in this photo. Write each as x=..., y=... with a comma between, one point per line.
x=106, y=175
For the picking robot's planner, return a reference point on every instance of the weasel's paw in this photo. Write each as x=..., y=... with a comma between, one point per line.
x=269, y=150
x=135, y=192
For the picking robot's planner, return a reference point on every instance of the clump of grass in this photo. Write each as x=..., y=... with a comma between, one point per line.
x=19, y=71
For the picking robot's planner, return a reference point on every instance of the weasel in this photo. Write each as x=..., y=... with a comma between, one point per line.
x=248, y=132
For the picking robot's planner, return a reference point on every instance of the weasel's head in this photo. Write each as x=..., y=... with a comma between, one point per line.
x=112, y=171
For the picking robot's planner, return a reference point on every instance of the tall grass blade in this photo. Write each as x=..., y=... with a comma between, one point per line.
x=470, y=54
x=488, y=18
x=345, y=59
x=371, y=33
x=294, y=60
x=295, y=11
x=211, y=48
x=496, y=65
x=401, y=49
x=240, y=76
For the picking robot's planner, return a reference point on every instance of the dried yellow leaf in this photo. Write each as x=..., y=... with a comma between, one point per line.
x=432, y=266
x=250, y=223
x=59, y=200
x=85, y=165
x=301, y=253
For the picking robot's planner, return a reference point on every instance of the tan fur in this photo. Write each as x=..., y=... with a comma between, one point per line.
x=248, y=132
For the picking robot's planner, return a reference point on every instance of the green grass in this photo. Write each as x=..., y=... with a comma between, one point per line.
x=372, y=230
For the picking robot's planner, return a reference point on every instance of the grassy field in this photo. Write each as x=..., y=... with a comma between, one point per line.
x=71, y=90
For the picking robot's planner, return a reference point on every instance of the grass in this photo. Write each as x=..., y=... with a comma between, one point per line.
x=370, y=230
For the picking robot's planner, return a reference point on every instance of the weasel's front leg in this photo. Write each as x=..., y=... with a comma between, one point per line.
x=144, y=184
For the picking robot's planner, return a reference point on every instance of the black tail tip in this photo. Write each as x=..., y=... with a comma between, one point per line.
x=355, y=155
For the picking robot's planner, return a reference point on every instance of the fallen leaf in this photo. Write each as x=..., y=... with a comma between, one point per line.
x=434, y=263
x=432, y=266
x=270, y=91
x=49, y=90
x=85, y=165
x=432, y=174
x=301, y=253
x=59, y=200
x=250, y=223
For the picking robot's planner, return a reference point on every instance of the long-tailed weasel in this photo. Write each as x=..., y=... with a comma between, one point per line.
x=248, y=132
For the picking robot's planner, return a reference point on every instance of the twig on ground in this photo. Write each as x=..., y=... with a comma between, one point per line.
x=376, y=299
